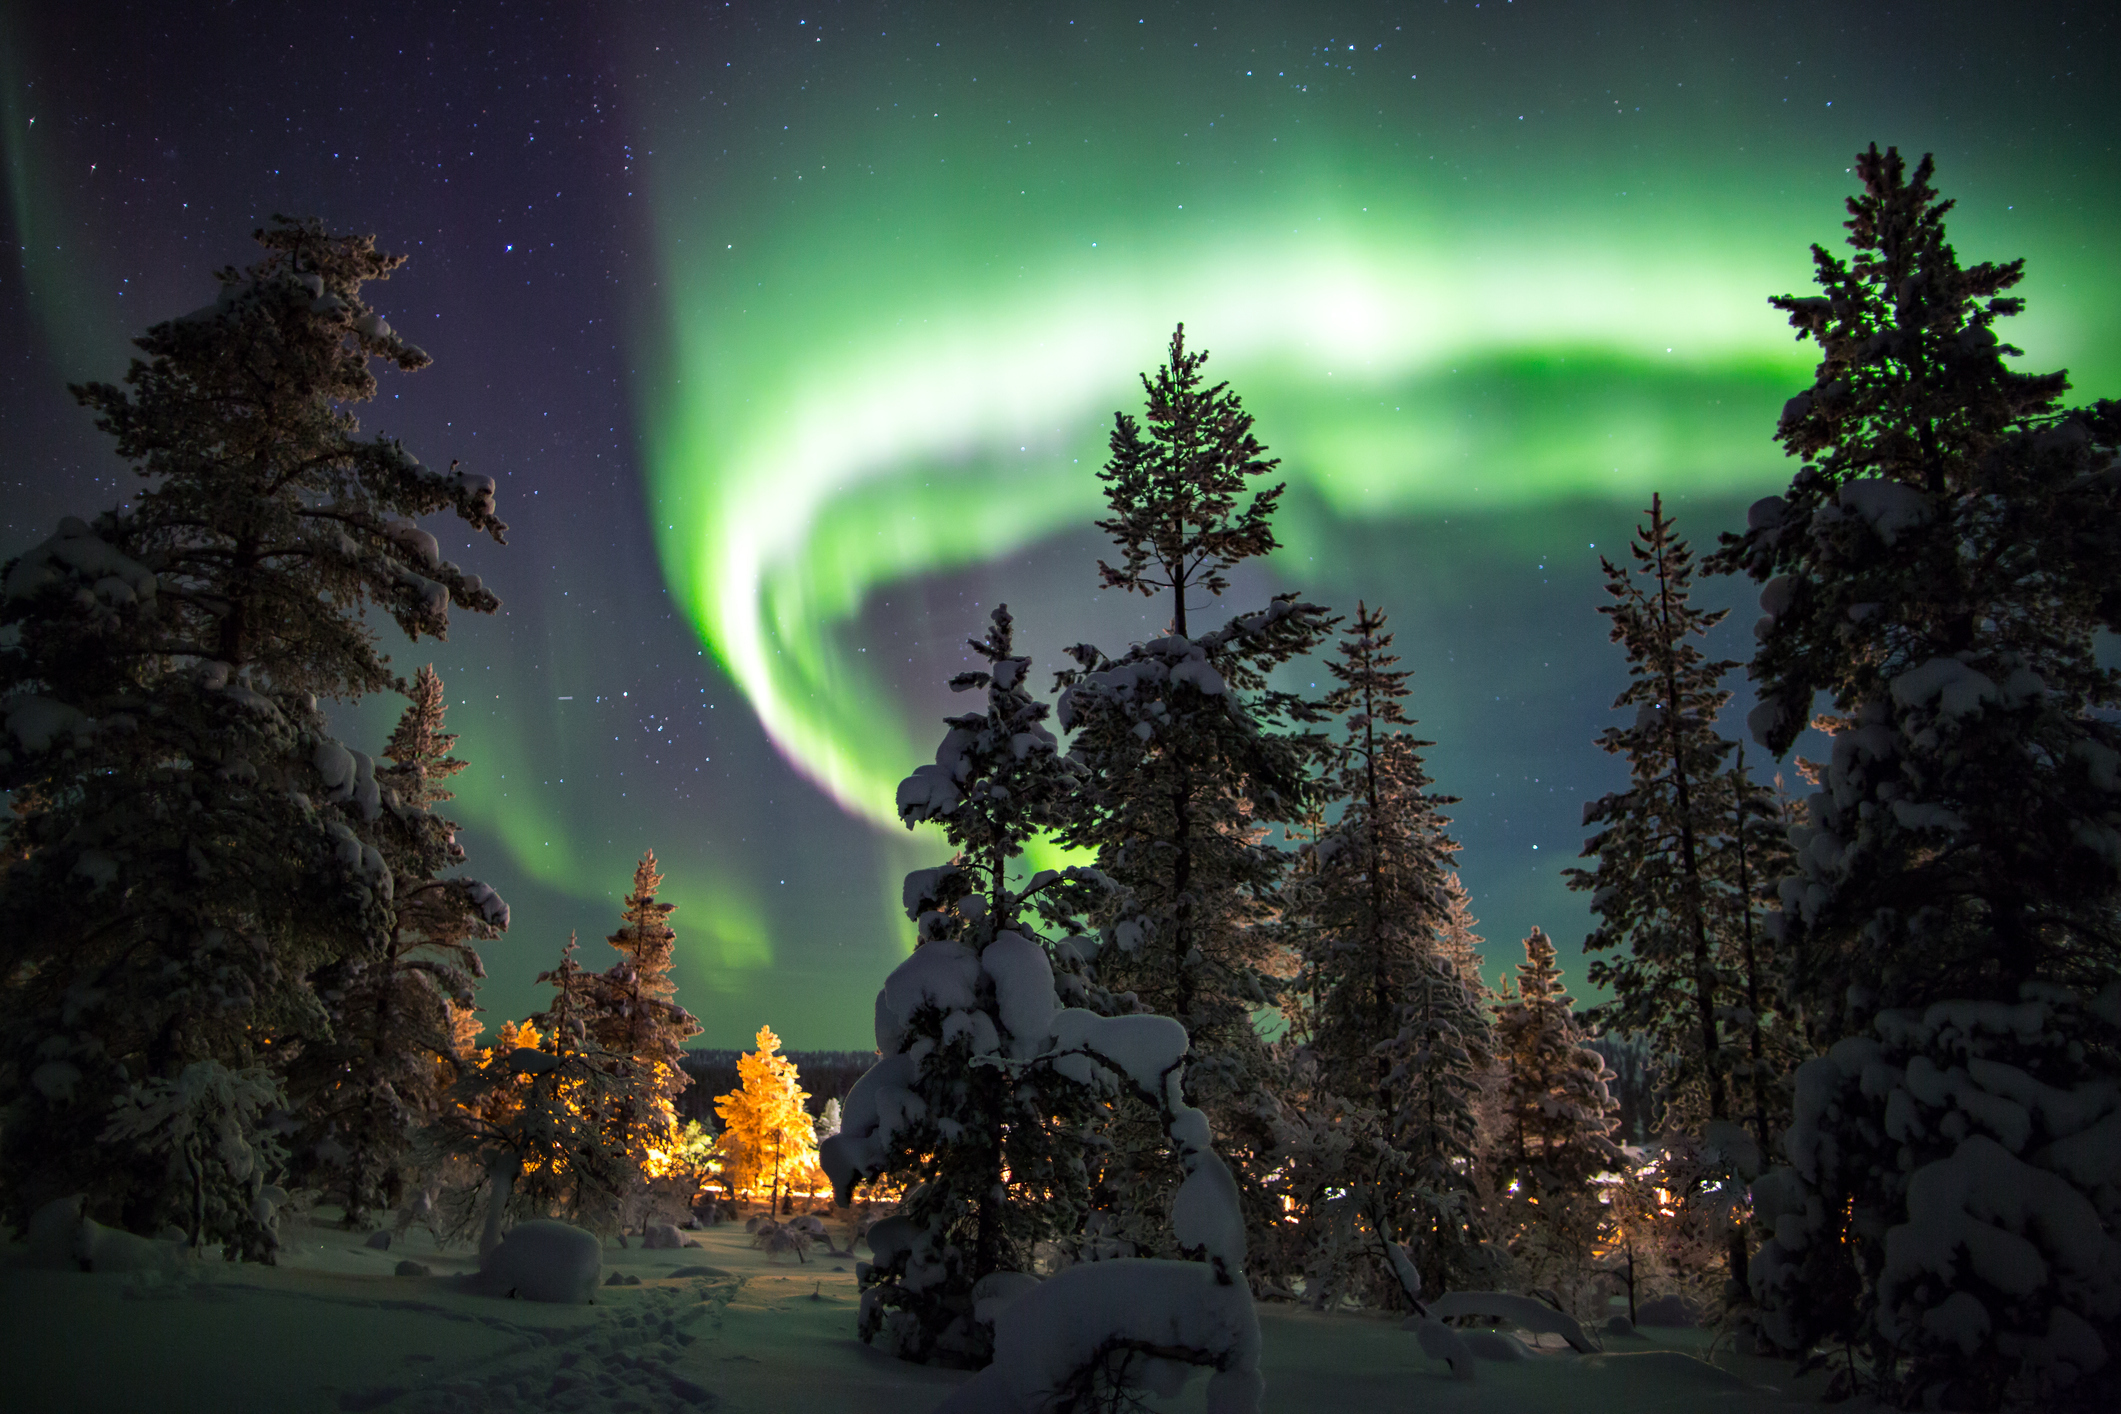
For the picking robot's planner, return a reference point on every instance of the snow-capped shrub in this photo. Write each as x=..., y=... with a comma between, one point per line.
x=1952, y=1197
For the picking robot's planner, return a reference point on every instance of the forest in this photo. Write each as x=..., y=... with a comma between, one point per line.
x=1194, y=1024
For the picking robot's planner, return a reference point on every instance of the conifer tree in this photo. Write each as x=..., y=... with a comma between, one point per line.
x=1554, y=1116
x=1394, y=1025
x=768, y=1140
x=637, y=1018
x=1380, y=901
x=1459, y=945
x=535, y=1114
x=1768, y=1038
x=987, y=1086
x=1187, y=759
x=994, y=1164
x=1940, y=566
x=364, y=1092
x=194, y=852
x=1654, y=887
x=1557, y=1111
x=1174, y=493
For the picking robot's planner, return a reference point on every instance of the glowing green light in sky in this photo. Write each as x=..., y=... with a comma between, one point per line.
x=931, y=437
x=895, y=336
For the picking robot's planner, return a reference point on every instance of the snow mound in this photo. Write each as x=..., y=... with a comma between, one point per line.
x=1534, y=1316
x=1170, y=1315
x=61, y=1237
x=1501, y=1346
x=542, y=1261
x=1668, y=1311
x=1670, y=1368
x=1440, y=1342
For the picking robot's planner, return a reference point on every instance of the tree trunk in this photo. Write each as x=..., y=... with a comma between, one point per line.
x=501, y=1174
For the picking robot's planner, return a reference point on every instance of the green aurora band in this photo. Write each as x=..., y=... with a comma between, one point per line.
x=899, y=354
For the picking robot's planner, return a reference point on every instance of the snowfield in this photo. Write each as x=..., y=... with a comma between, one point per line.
x=722, y=1327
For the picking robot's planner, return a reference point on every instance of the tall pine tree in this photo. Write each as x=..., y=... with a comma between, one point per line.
x=1654, y=887
x=1940, y=566
x=192, y=853
x=1187, y=759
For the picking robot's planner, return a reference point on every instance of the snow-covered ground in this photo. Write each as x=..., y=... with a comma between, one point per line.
x=723, y=1327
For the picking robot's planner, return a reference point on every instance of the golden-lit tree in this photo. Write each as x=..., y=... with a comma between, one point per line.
x=537, y=1114
x=768, y=1140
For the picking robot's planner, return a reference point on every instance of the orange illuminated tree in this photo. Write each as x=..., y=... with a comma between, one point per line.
x=536, y=1114
x=768, y=1140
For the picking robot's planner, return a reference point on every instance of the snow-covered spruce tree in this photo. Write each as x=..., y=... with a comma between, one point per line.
x=988, y=1082
x=1393, y=1029
x=536, y=1115
x=1187, y=757
x=1940, y=566
x=1379, y=902
x=1660, y=885
x=994, y=1161
x=362, y=1094
x=1555, y=1118
x=189, y=857
x=637, y=1019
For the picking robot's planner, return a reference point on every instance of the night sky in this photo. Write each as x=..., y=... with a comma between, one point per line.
x=792, y=334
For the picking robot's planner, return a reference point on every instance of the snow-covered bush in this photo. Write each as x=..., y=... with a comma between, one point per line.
x=1952, y=1200
x=207, y=1120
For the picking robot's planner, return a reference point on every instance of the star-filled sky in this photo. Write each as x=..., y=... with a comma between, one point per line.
x=792, y=333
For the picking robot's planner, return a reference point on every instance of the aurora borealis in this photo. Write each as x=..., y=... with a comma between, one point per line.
x=793, y=334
